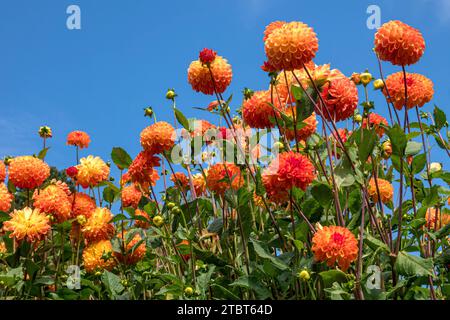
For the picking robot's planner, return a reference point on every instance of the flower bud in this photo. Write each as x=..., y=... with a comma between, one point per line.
x=435, y=167
x=357, y=118
x=356, y=78
x=279, y=145
x=72, y=171
x=158, y=221
x=304, y=275
x=188, y=291
x=148, y=112
x=387, y=149
x=170, y=94
x=378, y=84
x=81, y=219
x=366, y=78
x=45, y=132
x=170, y=205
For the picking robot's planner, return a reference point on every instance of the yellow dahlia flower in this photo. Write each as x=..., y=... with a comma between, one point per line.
x=98, y=256
x=53, y=200
x=6, y=198
x=29, y=224
x=98, y=226
x=91, y=171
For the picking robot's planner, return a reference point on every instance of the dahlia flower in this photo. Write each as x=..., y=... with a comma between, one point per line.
x=341, y=99
x=6, y=198
x=53, y=200
x=28, y=172
x=98, y=226
x=131, y=196
x=219, y=172
x=29, y=224
x=374, y=121
x=335, y=245
x=257, y=111
x=2, y=171
x=158, y=137
x=91, y=171
x=141, y=170
x=79, y=139
x=132, y=256
x=141, y=223
x=95, y=256
x=271, y=27
x=82, y=205
x=385, y=188
x=199, y=76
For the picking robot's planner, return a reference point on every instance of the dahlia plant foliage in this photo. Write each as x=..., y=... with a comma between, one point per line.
x=301, y=190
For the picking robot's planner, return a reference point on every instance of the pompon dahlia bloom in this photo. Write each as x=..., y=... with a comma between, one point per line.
x=28, y=172
x=2, y=171
x=220, y=171
x=291, y=45
x=335, y=245
x=374, y=121
x=436, y=219
x=82, y=205
x=302, y=132
x=158, y=137
x=78, y=139
x=341, y=99
x=271, y=27
x=141, y=223
x=180, y=179
x=53, y=200
x=257, y=111
x=6, y=198
x=98, y=226
x=199, y=184
x=199, y=76
x=419, y=88
x=207, y=56
x=141, y=170
x=131, y=196
x=91, y=171
x=385, y=187
x=291, y=169
x=399, y=43
x=29, y=224
x=94, y=256
x=132, y=256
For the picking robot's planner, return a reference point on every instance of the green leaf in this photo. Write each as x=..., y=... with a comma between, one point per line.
x=331, y=276
x=264, y=255
x=181, y=119
x=109, y=194
x=413, y=148
x=409, y=265
x=365, y=139
x=118, y=217
x=418, y=163
x=112, y=283
x=43, y=153
x=121, y=158
x=322, y=193
x=440, y=118
x=374, y=243
x=253, y=283
x=398, y=140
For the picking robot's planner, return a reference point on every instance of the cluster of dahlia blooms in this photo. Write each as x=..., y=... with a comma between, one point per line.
x=341, y=186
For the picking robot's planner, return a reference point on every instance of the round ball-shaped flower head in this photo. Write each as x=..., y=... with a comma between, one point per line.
x=271, y=184
x=98, y=226
x=199, y=184
x=200, y=79
x=97, y=256
x=158, y=137
x=222, y=176
x=28, y=172
x=302, y=132
x=436, y=219
x=341, y=99
x=399, y=43
x=141, y=170
x=257, y=111
x=29, y=224
x=293, y=170
x=179, y=179
x=207, y=56
x=132, y=255
x=335, y=246
x=374, y=121
x=385, y=188
x=141, y=223
x=291, y=45
x=78, y=139
x=82, y=205
x=2, y=171
x=6, y=198
x=271, y=27
x=53, y=200
x=419, y=88
x=131, y=196
x=91, y=171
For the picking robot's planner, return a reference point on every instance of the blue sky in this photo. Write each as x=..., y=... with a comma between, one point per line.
x=128, y=53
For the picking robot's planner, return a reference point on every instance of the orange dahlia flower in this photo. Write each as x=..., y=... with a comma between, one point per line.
x=131, y=196
x=82, y=205
x=335, y=245
x=199, y=184
x=53, y=200
x=158, y=137
x=199, y=76
x=291, y=45
x=29, y=224
x=141, y=169
x=271, y=27
x=141, y=223
x=304, y=130
x=28, y=172
x=374, y=121
x=79, y=139
x=218, y=172
x=385, y=187
x=436, y=219
x=132, y=255
x=91, y=171
x=341, y=99
x=98, y=226
x=6, y=198
x=180, y=179
x=399, y=43
x=2, y=171
x=98, y=256
x=257, y=111
x=419, y=89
